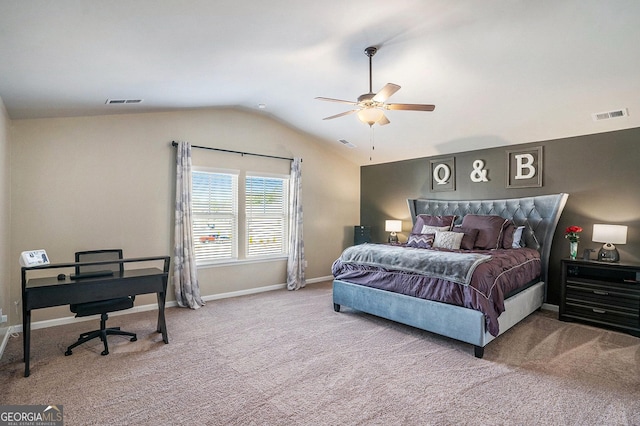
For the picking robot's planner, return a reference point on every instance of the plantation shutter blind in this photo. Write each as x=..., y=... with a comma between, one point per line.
x=215, y=216
x=266, y=207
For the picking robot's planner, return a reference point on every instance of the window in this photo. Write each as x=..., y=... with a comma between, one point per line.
x=266, y=208
x=215, y=215
x=221, y=234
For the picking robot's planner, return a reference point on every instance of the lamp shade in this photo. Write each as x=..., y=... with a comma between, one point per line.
x=393, y=225
x=614, y=234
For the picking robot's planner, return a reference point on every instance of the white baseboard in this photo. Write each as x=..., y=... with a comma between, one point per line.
x=152, y=306
x=548, y=307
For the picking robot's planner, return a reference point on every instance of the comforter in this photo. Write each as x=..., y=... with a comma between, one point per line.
x=505, y=271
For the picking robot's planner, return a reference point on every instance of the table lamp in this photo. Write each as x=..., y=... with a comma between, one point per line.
x=610, y=235
x=393, y=226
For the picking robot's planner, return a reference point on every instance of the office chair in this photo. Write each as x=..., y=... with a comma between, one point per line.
x=102, y=307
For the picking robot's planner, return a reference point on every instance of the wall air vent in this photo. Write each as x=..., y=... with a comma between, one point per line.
x=346, y=143
x=123, y=101
x=599, y=116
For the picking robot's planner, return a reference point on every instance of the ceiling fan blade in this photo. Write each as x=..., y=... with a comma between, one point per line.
x=410, y=107
x=337, y=100
x=341, y=114
x=384, y=93
x=384, y=120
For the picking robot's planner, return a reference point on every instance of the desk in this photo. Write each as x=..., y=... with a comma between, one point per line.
x=47, y=292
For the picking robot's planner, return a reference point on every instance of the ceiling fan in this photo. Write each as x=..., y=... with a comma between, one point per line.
x=371, y=105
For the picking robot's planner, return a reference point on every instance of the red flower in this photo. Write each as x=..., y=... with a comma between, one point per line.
x=572, y=233
x=573, y=229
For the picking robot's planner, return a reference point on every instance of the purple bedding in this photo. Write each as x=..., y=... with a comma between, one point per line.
x=506, y=271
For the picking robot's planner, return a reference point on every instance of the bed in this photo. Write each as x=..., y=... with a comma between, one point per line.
x=393, y=281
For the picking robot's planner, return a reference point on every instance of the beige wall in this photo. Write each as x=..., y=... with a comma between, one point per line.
x=5, y=261
x=108, y=181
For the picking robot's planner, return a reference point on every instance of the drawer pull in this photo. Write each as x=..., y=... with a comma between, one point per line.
x=599, y=311
x=600, y=292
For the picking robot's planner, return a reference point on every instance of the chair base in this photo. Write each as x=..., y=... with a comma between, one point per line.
x=102, y=334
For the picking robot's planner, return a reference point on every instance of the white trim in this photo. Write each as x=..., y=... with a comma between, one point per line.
x=7, y=333
x=549, y=307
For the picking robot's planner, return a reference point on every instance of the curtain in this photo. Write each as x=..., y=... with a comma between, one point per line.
x=296, y=262
x=185, y=274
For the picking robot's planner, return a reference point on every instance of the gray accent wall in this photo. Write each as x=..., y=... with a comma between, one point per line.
x=600, y=172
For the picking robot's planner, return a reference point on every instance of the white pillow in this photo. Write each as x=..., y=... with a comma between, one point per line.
x=517, y=236
x=426, y=229
x=448, y=240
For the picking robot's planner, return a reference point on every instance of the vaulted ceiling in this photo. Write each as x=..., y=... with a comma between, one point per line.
x=500, y=72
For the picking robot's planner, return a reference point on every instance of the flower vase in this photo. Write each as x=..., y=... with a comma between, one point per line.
x=573, y=249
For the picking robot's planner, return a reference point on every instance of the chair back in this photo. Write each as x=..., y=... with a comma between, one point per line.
x=98, y=256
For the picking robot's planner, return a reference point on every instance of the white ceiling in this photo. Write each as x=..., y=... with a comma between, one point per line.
x=500, y=72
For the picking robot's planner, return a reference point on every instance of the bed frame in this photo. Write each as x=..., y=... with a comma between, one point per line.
x=540, y=217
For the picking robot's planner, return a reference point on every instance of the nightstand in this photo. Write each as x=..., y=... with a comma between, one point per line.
x=601, y=294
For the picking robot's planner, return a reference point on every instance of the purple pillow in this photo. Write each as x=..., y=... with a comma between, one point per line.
x=421, y=240
x=489, y=230
x=507, y=235
x=469, y=239
x=425, y=219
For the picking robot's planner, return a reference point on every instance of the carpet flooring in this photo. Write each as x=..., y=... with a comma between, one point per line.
x=286, y=358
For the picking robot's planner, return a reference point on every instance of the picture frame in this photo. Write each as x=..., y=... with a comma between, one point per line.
x=524, y=167
x=443, y=174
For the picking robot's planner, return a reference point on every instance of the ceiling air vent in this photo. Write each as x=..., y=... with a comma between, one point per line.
x=598, y=116
x=123, y=101
x=346, y=143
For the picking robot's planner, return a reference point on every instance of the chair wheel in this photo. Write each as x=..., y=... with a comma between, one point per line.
x=105, y=352
x=134, y=338
x=68, y=352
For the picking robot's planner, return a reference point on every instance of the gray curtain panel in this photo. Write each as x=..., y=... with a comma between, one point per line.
x=296, y=262
x=185, y=274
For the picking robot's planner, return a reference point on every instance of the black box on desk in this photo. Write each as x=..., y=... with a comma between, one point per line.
x=361, y=234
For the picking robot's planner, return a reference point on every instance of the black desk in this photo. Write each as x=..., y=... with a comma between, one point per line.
x=47, y=292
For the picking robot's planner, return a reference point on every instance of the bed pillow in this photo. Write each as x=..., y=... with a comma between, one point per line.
x=448, y=239
x=512, y=236
x=517, y=237
x=421, y=240
x=469, y=237
x=489, y=230
x=429, y=220
x=507, y=235
x=426, y=229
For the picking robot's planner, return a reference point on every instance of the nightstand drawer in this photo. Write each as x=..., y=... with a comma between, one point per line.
x=603, y=296
x=605, y=315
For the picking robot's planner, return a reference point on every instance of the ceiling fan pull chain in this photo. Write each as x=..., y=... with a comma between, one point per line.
x=371, y=144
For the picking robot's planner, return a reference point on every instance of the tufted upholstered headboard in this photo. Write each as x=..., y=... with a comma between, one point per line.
x=539, y=215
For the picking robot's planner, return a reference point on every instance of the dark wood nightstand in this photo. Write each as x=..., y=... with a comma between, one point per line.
x=601, y=294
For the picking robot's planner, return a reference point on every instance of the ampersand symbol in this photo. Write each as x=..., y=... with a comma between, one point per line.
x=478, y=174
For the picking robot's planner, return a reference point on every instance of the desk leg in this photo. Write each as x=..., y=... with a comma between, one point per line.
x=26, y=338
x=162, y=325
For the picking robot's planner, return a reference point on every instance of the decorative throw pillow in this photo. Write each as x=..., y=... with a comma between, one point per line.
x=426, y=229
x=448, y=239
x=517, y=237
x=507, y=235
x=489, y=230
x=429, y=220
x=469, y=238
x=421, y=240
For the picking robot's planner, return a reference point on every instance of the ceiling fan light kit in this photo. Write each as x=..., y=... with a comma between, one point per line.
x=371, y=105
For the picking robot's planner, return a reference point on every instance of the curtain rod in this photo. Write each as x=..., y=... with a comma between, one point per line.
x=174, y=143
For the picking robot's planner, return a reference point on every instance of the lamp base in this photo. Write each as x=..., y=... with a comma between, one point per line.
x=608, y=253
x=393, y=238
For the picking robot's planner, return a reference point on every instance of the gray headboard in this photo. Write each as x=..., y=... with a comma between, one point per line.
x=539, y=215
